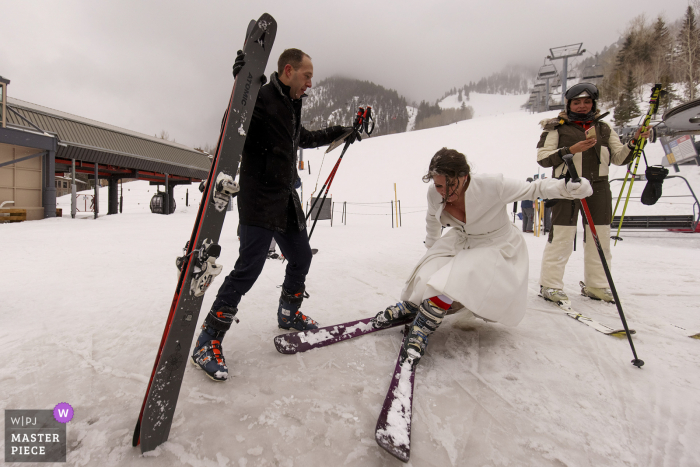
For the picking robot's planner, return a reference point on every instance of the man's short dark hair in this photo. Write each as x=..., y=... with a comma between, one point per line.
x=292, y=57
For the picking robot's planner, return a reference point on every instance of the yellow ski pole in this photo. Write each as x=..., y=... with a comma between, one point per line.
x=624, y=182
x=637, y=151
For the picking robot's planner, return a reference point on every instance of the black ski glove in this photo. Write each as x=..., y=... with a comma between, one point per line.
x=354, y=136
x=655, y=178
x=239, y=63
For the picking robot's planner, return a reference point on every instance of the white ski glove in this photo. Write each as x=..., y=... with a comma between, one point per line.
x=580, y=189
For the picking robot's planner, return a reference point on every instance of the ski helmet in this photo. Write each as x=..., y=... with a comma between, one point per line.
x=582, y=90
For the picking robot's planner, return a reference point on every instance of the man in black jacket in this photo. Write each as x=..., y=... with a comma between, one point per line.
x=268, y=206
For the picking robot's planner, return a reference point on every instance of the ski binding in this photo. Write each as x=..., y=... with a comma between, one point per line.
x=205, y=267
x=224, y=188
x=563, y=304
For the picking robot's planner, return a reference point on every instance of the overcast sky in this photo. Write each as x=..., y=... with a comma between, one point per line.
x=166, y=65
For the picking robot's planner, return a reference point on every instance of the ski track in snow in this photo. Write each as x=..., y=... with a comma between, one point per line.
x=89, y=300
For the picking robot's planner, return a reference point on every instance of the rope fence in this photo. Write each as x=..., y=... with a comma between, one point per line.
x=395, y=211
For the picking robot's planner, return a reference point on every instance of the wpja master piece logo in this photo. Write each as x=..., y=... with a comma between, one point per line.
x=37, y=435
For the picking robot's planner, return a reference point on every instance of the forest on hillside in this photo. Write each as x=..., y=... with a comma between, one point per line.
x=334, y=101
x=648, y=52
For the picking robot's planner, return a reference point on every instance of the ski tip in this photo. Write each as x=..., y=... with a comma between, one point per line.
x=137, y=434
x=402, y=453
x=249, y=31
x=283, y=346
x=622, y=333
x=638, y=363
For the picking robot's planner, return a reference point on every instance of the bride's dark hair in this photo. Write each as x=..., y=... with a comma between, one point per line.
x=449, y=163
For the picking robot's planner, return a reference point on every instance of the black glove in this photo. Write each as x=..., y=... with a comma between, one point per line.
x=239, y=63
x=655, y=178
x=263, y=80
x=354, y=136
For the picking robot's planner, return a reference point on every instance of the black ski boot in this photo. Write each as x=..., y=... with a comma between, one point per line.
x=288, y=314
x=207, y=353
x=394, y=313
x=427, y=320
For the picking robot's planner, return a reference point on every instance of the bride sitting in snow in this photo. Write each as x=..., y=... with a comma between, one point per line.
x=481, y=261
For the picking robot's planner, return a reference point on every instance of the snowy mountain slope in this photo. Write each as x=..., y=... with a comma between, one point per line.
x=88, y=301
x=486, y=105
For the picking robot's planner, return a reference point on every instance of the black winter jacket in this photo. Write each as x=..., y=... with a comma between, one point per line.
x=267, y=197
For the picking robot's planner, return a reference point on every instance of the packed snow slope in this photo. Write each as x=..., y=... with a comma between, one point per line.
x=485, y=105
x=85, y=303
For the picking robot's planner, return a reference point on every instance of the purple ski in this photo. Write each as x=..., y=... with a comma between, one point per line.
x=393, y=431
x=302, y=341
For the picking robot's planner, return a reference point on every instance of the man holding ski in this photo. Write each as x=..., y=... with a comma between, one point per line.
x=268, y=206
x=579, y=131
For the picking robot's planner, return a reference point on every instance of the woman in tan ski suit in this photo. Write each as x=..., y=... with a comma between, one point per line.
x=595, y=146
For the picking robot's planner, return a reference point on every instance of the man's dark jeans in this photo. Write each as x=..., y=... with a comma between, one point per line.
x=252, y=254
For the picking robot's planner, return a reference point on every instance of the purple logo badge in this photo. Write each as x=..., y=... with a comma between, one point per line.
x=63, y=412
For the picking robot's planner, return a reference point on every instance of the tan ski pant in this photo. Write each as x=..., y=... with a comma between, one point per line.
x=556, y=255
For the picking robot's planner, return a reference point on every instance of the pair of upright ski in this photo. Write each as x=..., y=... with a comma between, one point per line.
x=393, y=431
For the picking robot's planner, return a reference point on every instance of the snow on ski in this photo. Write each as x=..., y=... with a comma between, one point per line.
x=301, y=341
x=598, y=326
x=393, y=431
x=197, y=266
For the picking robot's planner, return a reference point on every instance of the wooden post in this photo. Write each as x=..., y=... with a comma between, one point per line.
x=397, y=206
x=399, y=213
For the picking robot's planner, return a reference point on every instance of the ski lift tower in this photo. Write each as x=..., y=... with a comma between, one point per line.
x=539, y=88
x=564, y=52
x=547, y=72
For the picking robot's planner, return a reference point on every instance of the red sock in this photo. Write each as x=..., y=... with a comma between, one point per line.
x=442, y=301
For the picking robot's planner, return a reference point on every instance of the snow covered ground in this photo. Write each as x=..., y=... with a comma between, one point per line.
x=85, y=302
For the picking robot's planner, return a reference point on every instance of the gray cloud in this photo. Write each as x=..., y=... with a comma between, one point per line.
x=166, y=65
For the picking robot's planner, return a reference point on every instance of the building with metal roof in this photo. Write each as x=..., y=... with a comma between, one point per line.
x=36, y=143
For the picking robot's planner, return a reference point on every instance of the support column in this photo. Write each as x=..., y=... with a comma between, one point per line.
x=113, y=196
x=171, y=197
x=49, y=194
x=166, y=198
x=97, y=190
x=73, y=190
x=563, y=80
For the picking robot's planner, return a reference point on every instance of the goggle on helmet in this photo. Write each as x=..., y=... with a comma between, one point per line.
x=582, y=90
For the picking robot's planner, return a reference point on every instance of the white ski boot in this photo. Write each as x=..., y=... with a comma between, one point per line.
x=597, y=294
x=557, y=296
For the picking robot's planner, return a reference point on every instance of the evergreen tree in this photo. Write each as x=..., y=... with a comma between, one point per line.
x=689, y=53
x=627, y=109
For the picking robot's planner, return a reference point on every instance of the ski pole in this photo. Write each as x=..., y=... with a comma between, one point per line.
x=568, y=159
x=361, y=124
x=362, y=120
x=637, y=151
